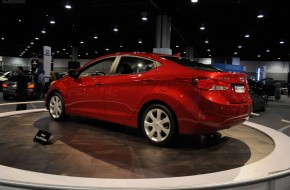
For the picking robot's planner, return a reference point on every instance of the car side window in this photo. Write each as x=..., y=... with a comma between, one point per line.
x=100, y=67
x=129, y=65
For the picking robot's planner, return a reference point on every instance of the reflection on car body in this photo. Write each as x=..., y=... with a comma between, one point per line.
x=160, y=94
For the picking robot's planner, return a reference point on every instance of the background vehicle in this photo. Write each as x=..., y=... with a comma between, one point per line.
x=259, y=99
x=160, y=94
x=10, y=85
x=3, y=77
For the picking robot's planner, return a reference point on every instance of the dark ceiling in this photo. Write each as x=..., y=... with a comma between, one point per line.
x=226, y=22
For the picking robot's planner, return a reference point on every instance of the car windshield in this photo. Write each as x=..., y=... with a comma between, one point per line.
x=190, y=63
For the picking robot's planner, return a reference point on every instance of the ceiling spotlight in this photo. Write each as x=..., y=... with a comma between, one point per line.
x=247, y=35
x=2, y=38
x=43, y=31
x=194, y=1
x=95, y=37
x=281, y=42
x=116, y=29
x=37, y=38
x=31, y=43
x=19, y=20
x=260, y=15
x=278, y=58
x=82, y=42
x=208, y=49
x=144, y=16
x=67, y=5
x=267, y=50
x=206, y=41
x=240, y=46
x=177, y=46
x=121, y=46
x=52, y=21
x=140, y=42
x=202, y=27
x=235, y=53
x=259, y=55
x=107, y=49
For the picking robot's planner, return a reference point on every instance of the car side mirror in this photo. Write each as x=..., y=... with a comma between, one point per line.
x=72, y=73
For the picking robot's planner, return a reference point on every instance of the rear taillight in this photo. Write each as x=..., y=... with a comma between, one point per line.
x=4, y=85
x=207, y=83
x=30, y=86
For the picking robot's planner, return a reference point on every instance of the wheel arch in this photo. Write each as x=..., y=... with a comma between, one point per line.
x=155, y=101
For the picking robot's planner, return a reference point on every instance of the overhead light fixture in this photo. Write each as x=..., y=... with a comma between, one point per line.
x=278, y=58
x=177, y=46
x=240, y=46
x=19, y=20
x=52, y=21
x=140, y=42
x=206, y=41
x=37, y=38
x=235, y=53
x=260, y=15
x=202, y=27
x=267, y=50
x=2, y=38
x=194, y=1
x=121, y=46
x=144, y=16
x=281, y=42
x=247, y=35
x=67, y=5
x=116, y=29
x=107, y=49
x=31, y=43
x=82, y=42
x=43, y=31
x=95, y=37
x=208, y=49
x=259, y=55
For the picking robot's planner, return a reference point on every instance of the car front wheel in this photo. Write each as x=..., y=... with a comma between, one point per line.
x=56, y=107
x=158, y=125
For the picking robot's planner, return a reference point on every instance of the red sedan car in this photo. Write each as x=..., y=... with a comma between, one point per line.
x=162, y=95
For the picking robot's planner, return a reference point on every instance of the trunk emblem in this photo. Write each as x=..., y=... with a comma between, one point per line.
x=242, y=79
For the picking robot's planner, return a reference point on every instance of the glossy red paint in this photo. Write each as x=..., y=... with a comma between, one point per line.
x=202, y=100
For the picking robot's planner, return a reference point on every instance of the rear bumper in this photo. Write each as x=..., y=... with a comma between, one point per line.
x=209, y=117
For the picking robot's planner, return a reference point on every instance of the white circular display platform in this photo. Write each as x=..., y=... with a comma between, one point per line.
x=274, y=166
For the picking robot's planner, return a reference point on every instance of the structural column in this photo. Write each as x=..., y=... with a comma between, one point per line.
x=189, y=53
x=163, y=33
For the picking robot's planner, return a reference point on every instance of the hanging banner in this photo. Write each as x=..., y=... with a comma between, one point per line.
x=46, y=61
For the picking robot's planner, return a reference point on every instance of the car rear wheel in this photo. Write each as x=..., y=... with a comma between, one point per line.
x=56, y=107
x=158, y=125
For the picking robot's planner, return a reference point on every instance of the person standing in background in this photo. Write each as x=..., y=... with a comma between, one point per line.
x=288, y=88
x=277, y=90
x=21, y=89
x=52, y=78
x=41, y=85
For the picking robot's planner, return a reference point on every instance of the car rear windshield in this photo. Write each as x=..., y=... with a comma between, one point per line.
x=190, y=63
x=13, y=78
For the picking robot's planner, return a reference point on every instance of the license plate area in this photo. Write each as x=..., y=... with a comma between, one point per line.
x=239, y=89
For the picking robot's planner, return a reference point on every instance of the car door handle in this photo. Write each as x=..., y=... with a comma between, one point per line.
x=99, y=84
x=147, y=80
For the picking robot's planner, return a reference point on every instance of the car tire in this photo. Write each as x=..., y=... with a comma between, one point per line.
x=56, y=107
x=158, y=125
x=5, y=97
x=264, y=106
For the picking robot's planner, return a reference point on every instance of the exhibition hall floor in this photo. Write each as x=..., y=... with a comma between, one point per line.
x=85, y=147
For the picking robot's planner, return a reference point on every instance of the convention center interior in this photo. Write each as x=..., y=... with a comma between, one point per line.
x=145, y=94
